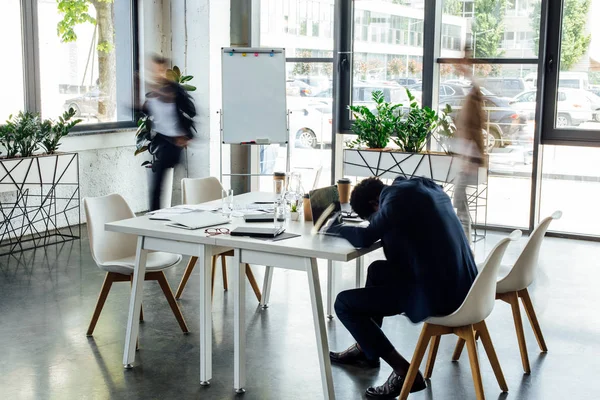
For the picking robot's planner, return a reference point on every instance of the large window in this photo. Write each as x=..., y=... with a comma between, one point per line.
x=79, y=57
x=573, y=114
x=305, y=29
x=12, y=99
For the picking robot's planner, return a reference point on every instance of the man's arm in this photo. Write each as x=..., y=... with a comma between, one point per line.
x=360, y=236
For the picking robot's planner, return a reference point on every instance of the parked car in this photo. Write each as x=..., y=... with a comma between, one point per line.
x=86, y=104
x=594, y=100
x=362, y=94
x=505, y=87
x=449, y=90
x=502, y=123
x=573, y=80
x=407, y=81
x=311, y=125
x=573, y=106
x=296, y=87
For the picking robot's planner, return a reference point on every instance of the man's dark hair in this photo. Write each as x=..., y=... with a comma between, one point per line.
x=365, y=195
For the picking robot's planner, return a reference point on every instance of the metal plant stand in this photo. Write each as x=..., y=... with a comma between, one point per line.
x=441, y=168
x=39, y=201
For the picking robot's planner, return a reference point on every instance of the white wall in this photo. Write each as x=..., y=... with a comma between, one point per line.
x=191, y=32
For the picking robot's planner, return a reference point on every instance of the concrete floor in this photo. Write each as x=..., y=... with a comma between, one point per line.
x=47, y=297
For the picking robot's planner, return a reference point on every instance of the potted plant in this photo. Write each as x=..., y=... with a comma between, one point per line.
x=374, y=128
x=413, y=129
x=294, y=214
x=409, y=131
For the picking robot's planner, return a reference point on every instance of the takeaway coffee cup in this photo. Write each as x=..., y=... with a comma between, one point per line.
x=344, y=190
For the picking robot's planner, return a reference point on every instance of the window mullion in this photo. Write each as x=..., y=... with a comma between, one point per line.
x=31, y=58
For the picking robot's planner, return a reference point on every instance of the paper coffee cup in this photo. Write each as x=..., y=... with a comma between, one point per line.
x=344, y=190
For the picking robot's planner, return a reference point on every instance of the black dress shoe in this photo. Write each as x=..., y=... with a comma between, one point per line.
x=393, y=386
x=353, y=356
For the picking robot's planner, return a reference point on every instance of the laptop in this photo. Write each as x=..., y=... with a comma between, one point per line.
x=324, y=204
x=197, y=220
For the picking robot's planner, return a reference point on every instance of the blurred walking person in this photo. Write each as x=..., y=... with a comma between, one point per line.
x=171, y=113
x=469, y=145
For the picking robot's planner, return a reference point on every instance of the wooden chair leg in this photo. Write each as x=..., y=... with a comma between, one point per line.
x=164, y=285
x=186, y=275
x=253, y=283
x=433, y=349
x=108, y=280
x=460, y=345
x=528, y=305
x=513, y=299
x=416, y=361
x=212, y=276
x=224, y=269
x=486, y=340
x=468, y=335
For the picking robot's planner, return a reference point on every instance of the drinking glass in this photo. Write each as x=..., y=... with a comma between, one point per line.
x=227, y=201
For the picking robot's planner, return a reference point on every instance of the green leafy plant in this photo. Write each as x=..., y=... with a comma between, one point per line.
x=413, y=130
x=24, y=133
x=27, y=132
x=7, y=141
x=294, y=207
x=374, y=129
x=446, y=128
x=176, y=76
x=54, y=132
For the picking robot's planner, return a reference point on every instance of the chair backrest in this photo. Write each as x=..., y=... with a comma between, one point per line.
x=523, y=272
x=480, y=300
x=200, y=190
x=108, y=246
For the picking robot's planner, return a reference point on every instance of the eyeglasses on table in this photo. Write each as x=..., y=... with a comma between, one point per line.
x=216, y=231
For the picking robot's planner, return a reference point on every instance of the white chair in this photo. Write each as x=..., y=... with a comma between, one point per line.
x=115, y=253
x=514, y=286
x=465, y=322
x=202, y=190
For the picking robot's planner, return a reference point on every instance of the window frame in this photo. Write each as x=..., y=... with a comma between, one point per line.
x=32, y=66
x=550, y=134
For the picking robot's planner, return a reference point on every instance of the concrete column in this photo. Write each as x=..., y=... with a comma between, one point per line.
x=198, y=30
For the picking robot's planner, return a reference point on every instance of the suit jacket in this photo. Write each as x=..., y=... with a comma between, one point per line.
x=421, y=233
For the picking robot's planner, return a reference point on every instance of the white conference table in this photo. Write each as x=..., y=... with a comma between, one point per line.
x=299, y=253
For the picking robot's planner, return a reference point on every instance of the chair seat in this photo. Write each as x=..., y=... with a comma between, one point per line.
x=155, y=261
x=505, y=286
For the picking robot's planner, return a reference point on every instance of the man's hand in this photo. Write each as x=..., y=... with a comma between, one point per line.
x=333, y=224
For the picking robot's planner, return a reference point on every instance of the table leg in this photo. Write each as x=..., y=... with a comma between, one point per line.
x=319, y=322
x=239, y=324
x=204, y=263
x=266, y=292
x=359, y=272
x=330, y=289
x=135, y=304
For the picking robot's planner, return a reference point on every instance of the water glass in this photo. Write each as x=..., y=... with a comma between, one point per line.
x=227, y=201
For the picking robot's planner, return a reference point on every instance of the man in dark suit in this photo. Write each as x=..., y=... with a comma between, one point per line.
x=428, y=271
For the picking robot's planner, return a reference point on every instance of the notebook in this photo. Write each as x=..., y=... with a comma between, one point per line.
x=324, y=204
x=257, y=232
x=197, y=220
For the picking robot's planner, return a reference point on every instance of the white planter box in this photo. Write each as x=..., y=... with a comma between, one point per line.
x=39, y=201
x=441, y=168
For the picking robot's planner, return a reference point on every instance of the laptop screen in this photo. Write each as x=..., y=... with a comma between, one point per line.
x=322, y=198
